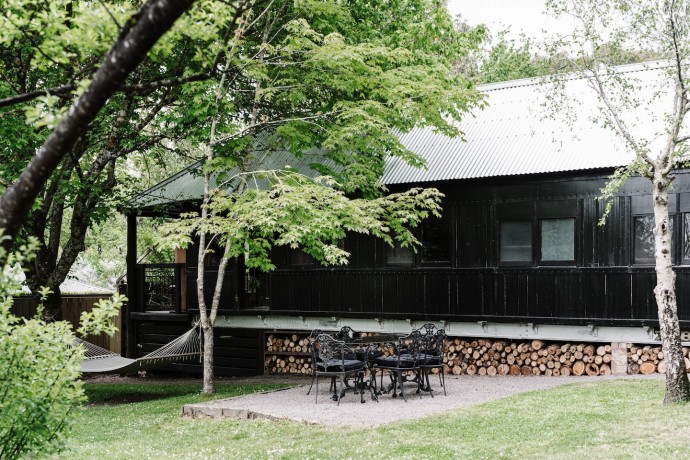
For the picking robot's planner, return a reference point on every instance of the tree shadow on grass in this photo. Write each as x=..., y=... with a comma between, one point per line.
x=115, y=394
x=127, y=393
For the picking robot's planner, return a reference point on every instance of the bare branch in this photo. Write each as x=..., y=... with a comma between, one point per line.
x=137, y=88
x=18, y=99
x=110, y=14
x=166, y=82
x=680, y=100
x=598, y=86
x=246, y=129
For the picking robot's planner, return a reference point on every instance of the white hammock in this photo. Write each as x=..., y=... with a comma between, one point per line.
x=100, y=360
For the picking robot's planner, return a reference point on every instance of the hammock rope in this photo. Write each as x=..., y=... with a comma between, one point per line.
x=97, y=359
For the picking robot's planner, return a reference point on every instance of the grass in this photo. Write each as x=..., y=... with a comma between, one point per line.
x=608, y=419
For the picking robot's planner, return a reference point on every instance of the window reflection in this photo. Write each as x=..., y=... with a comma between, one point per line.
x=516, y=241
x=557, y=240
x=686, y=238
x=643, y=251
x=398, y=255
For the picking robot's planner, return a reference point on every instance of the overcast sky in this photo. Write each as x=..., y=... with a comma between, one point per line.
x=521, y=15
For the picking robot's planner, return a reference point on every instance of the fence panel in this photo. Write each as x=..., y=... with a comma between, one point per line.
x=72, y=308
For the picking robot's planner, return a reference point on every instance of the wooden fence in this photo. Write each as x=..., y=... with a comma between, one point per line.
x=72, y=308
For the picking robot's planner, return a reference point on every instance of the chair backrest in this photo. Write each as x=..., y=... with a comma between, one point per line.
x=313, y=344
x=435, y=344
x=345, y=334
x=331, y=350
x=407, y=348
x=428, y=329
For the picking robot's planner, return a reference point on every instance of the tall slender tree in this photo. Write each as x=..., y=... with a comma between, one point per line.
x=335, y=77
x=604, y=30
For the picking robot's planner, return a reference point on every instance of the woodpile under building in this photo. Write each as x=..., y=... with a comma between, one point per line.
x=290, y=353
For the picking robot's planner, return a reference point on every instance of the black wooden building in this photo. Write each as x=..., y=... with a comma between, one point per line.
x=518, y=253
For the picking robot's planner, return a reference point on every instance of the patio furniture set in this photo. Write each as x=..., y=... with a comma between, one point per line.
x=354, y=362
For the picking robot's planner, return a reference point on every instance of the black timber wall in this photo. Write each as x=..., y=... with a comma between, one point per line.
x=237, y=352
x=603, y=285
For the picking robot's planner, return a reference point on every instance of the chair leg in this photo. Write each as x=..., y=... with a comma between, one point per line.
x=313, y=377
x=394, y=383
x=360, y=377
x=373, y=391
x=420, y=382
x=340, y=391
x=443, y=381
x=316, y=394
x=399, y=379
x=428, y=383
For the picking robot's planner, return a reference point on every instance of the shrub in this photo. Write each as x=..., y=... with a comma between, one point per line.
x=40, y=385
x=39, y=374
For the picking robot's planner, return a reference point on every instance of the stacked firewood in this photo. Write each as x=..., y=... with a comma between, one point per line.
x=287, y=364
x=500, y=357
x=287, y=343
x=649, y=359
x=289, y=353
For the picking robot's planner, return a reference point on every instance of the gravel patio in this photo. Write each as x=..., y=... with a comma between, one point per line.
x=294, y=404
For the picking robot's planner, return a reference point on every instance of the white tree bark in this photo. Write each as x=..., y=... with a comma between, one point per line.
x=665, y=28
x=677, y=384
x=208, y=318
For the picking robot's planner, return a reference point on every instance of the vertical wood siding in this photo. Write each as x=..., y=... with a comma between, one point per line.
x=72, y=308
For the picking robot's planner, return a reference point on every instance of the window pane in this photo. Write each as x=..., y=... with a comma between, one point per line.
x=644, y=239
x=558, y=239
x=436, y=240
x=299, y=258
x=399, y=256
x=516, y=241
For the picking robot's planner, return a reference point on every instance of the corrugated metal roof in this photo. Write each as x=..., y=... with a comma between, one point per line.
x=188, y=184
x=513, y=135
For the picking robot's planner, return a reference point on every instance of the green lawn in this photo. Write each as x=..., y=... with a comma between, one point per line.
x=609, y=419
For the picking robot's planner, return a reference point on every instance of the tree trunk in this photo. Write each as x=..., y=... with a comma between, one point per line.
x=677, y=384
x=52, y=305
x=209, y=386
x=137, y=37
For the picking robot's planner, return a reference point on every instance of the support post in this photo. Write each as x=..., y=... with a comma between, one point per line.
x=132, y=283
x=181, y=258
x=619, y=358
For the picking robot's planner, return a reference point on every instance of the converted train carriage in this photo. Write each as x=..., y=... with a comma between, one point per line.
x=518, y=252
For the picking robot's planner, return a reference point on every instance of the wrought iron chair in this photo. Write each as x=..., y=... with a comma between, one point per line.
x=431, y=356
x=333, y=362
x=345, y=334
x=313, y=349
x=428, y=329
x=403, y=361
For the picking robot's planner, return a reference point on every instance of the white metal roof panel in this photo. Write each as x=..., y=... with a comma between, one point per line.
x=516, y=134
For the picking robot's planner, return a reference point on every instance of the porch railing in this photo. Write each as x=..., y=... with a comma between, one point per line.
x=160, y=287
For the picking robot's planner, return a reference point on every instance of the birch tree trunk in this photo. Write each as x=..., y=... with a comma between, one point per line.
x=208, y=318
x=208, y=379
x=677, y=384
